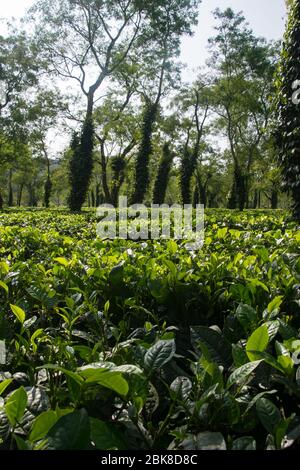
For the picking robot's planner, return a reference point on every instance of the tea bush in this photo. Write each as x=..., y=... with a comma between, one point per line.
x=114, y=344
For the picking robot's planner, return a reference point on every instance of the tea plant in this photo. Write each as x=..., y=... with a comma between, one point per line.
x=114, y=344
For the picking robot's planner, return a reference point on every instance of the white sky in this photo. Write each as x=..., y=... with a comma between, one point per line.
x=266, y=18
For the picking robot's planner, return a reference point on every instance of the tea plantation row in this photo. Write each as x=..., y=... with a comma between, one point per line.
x=114, y=344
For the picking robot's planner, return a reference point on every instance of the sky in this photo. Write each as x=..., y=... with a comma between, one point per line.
x=266, y=18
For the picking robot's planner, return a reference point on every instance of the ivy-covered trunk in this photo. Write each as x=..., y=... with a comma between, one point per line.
x=99, y=195
x=196, y=196
x=238, y=196
x=10, y=190
x=188, y=165
x=274, y=199
x=141, y=179
x=118, y=166
x=296, y=207
x=200, y=193
x=32, y=200
x=81, y=166
x=104, y=181
x=162, y=178
x=287, y=133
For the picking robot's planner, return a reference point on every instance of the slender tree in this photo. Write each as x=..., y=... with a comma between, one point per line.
x=170, y=20
x=18, y=73
x=117, y=125
x=194, y=106
x=243, y=67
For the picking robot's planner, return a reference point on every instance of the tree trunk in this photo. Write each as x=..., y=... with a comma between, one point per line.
x=247, y=176
x=202, y=188
x=162, y=178
x=1, y=201
x=237, y=198
x=232, y=202
x=188, y=164
x=104, y=179
x=203, y=195
x=247, y=196
x=196, y=196
x=90, y=106
x=20, y=194
x=32, y=200
x=296, y=203
x=92, y=198
x=255, y=199
x=10, y=190
x=274, y=199
x=48, y=184
x=99, y=196
x=142, y=160
x=81, y=165
x=238, y=193
x=115, y=192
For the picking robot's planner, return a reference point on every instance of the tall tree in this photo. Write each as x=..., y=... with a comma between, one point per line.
x=42, y=115
x=170, y=20
x=117, y=131
x=193, y=107
x=18, y=73
x=243, y=66
x=287, y=104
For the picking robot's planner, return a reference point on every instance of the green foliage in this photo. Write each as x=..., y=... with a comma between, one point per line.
x=258, y=341
x=18, y=67
x=159, y=355
x=123, y=345
x=15, y=406
x=70, y=432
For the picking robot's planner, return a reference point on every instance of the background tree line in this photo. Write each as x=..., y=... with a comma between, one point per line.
x=106, y=75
